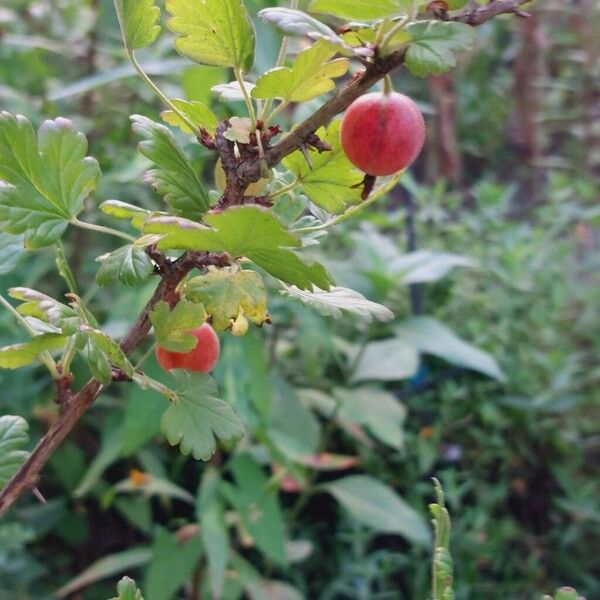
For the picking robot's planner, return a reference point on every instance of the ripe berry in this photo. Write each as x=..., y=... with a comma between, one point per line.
x=201, y=359
x=382, y=133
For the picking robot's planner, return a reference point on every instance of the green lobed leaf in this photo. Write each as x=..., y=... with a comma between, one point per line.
x=361, y=10
x=172, y=327
x=128, y=265
x=123, y=210
x=128, y=590
x=227, y=293
x=13, y=436
x=249, y=231
x=44, y=179
x=378, y=506
x=195, y=111
x=213, y=32
x=434, y=46
x=296, y=22
x=310, y=75
x=173, y=176
x=429, y=336
x=20, y=355
x=139, y=21
x=11, y=251
x=197, y=418
x=232, y=90
x=331, y=303
x=330, y=182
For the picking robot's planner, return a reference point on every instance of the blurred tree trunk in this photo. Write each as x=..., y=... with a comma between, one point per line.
x=523, y=129
x=448, y=159
x=587, y=24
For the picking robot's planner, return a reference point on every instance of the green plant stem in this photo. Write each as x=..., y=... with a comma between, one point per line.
x=101, y=229
x=65, y=272
x=68, y=355
x=381, y=31
x=388, y=87
x=340, y=218
x=145, y=78
x=45, y=357
x=284, y=190
x=144, y=356
x=276, y=111
x=247, y=99
x=414, y=10
x=401, y=24
x=280, y=60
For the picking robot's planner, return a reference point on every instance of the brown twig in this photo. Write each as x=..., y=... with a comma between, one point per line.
x=26, y=477
x=492, y=9
x=246, y=170
x=374, y=72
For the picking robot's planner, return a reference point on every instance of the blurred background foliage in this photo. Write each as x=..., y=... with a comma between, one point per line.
x=494, y=233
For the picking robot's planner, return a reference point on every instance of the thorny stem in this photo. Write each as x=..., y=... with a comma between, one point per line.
x=101, y=229
x=45, y=357
x=142, y=73
x=26, y=477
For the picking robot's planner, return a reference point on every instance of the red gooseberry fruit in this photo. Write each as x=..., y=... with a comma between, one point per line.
x=201, y=359
x=382, y=133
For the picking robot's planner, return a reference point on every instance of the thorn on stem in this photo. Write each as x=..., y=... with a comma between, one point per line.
x=368, y=184
x=38, y=495
x=306, y=155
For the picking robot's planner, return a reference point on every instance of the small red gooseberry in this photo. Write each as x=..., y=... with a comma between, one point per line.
x=201, y=359
x=382, y=133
